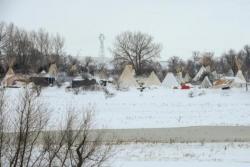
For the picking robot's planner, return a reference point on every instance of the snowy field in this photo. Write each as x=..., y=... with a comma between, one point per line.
x=155, y=108
x=180, y=155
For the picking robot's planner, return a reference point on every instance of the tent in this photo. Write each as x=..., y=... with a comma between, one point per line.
x=53, y=70
x=200, y=73
x=12, y=79
x=170, y=81
x=73, y=69
x=239, y=79
x=152, y=80
x=230, y=73
x=179, y=78
x=7, y=81
x=240, y=75
x=187, y=78
x=127, y=78
x=206, y=83
x=215, y=75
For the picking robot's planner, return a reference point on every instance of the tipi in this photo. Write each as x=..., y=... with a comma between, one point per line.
x=206, y=83
x=240, y=75
x=152, y=80
x=53, y=70
x=230, y=73
x=199, y=74
x=7, y=78
x=215, y=75
x=170, y=81
x=127, y=78
x=180, y=78
x=187, y=78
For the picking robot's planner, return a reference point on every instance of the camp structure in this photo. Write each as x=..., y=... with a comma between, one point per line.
x=206, y=83
x=240, y=76
x=83, y=82
x=201, y=72
x=239, y=80
x=230, y=73
x=223, y=82
x=53, y=71
x=215, y=75
x=170, y=81
x=12, y=79
x=152, y=80
x=187, y=78
x=73, y=70
x=127, y=79
x=46, y=79
x=179, y=78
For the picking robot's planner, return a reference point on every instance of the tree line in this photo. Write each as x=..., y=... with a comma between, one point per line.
x=34, y=51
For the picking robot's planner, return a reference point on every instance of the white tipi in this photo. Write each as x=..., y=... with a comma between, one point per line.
x=127, y=78
x=180, y=78
x=152, y=80
x=199, y=74
x=10, y=73
x=187, y=78
x=53, y=70
x=240, y=76
x=170, y=81
x=206, y=83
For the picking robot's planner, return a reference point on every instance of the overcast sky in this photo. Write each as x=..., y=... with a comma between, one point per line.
x=182, y=26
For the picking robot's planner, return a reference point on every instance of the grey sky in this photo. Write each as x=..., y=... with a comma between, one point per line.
x=182, y=26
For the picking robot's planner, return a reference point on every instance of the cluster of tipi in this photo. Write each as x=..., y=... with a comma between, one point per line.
x=204, y=78
x=11, y=78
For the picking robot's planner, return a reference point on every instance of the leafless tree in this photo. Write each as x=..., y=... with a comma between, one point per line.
x=230, y=59
x=74, y=145
x=26, y=127
x=175, y=64
x=135, y=48
x=3, y=123
x=3, y=36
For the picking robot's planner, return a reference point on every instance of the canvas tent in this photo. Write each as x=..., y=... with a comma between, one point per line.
x=11, y=79
x=206, y=83
x=170, y=81
x=179, y=78
x=187, y=78
x=239, y=80
x=7, y=81
x=201, y=72
x=73, y=69
x=215, y=75
x=152, y=80
x=127, y=78
x=240, y=75
x=230, y=73
x=53, y=70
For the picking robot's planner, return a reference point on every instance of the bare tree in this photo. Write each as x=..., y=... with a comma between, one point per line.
x=29, y=120
x=74, y=145
x=135, y=48
x=3, y=36
x=3, y=122
x=230, y=59
x=175, y=64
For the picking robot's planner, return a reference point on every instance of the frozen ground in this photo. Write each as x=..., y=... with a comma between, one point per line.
x=180, y=155
x=156, y=108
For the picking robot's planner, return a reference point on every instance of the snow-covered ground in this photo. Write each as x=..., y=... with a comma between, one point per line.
x=155, y=108
x=180, y=155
